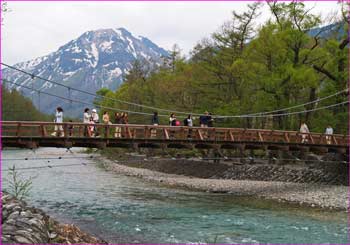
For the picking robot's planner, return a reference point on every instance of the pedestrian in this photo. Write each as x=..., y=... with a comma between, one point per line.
x=70, y=128
x=189, y=123
x=105, y=118
x=304, y=130
x=95, y=118
x=172, y=122
x=155, y=119
x=154, y=122
x=118, y=129
x=172, y=119
x=329, y=132
x=91, y=128
x=86, y=116
x=210, y=120
x=203, y=120
x=86, y=119
x=125, y=120
x=58, y=119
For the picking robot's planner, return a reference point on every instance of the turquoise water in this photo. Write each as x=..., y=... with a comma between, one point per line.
x=129, y=210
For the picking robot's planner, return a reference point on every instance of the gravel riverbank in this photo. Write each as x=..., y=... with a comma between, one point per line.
x=314, y=195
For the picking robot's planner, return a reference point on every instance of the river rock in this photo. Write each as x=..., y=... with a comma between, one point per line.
x=27, y=225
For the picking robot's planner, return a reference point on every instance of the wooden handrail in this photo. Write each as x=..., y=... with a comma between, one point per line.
x=133, y=131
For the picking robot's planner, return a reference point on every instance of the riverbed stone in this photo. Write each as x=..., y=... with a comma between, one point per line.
x=22, y=224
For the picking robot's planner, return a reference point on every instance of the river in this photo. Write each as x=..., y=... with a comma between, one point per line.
x=125, y=209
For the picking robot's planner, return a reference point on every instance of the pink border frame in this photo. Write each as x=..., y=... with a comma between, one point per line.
x=1, y=15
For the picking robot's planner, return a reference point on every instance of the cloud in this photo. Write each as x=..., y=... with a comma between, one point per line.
x=34, y=29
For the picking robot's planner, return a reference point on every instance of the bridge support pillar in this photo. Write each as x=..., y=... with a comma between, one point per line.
x=31, y=145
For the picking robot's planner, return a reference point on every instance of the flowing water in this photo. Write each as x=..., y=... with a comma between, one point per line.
x=125, y=209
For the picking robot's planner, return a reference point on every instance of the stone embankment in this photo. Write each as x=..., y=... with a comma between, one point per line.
x=203, y=177
x=313, y=172
x=22, y=224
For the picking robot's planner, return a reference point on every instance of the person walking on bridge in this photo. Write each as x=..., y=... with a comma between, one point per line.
x=172, y=122
x=304, y=130
x=86, y=119
x=118, y=129
x=203, y=120
x=105, y=119
x=172, y=119
x=210, y=120
x=96, y=120
x=58, y=119
x=329, y=132
x=189, y=123
x=125, y=120
x=155, y=122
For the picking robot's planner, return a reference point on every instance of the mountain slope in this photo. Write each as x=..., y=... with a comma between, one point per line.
x=94, y=60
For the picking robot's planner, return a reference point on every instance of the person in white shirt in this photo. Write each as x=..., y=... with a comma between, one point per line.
x=329, y=132
x=86, y=119
x=95, y=118
x=172, y=119
x=189, y=123
x=304, y=130
x=86, y=116
x=58, y=119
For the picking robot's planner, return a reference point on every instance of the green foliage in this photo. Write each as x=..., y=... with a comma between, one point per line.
x=16, y=107
x=243, y=69
x=18, y=186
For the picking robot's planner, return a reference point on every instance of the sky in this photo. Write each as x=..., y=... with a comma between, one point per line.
x=34, y=29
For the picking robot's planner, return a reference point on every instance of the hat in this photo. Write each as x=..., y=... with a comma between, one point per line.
x=94, y=110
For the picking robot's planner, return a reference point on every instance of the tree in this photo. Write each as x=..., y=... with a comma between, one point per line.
x=174, y=56
x=240, y=69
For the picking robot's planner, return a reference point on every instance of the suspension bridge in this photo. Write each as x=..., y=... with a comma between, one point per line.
x=40, y=134
x=26, y=134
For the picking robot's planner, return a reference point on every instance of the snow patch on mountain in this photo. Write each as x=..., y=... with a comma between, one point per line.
x=96, y=59
x=94, y=53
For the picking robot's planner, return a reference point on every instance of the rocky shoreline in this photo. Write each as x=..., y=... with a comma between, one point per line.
x=22, y=224
x=310, y=194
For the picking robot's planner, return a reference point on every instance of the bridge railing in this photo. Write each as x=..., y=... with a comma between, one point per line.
x=132, y=131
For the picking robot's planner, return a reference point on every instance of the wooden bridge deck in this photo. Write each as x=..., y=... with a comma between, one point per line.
x=39, y=134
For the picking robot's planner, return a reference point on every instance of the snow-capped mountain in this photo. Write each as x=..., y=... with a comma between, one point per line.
x=94, y=60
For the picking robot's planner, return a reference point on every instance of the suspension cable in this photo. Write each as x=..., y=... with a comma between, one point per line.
x=48, y=166
x=172, y=159
x=296, y=106
x=258, y=114
x=44, y=158
x=287, y=113
x=93, y=94
x=82, y=102
x=144, y=113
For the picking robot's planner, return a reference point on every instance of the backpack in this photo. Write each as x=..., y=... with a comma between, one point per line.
x=185, y=122
x=177, y=123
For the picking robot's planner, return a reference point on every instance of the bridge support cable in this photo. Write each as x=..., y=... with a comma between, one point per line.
x=49, y=166
x=162, y=115
x=94, y=94
x=257, y=114
x=45, y=158
x=83, y=102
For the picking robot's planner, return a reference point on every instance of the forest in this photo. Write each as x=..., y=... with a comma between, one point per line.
x=16, y=107
x=295, y=58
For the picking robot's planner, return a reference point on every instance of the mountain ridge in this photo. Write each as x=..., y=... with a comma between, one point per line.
x=96, y=59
